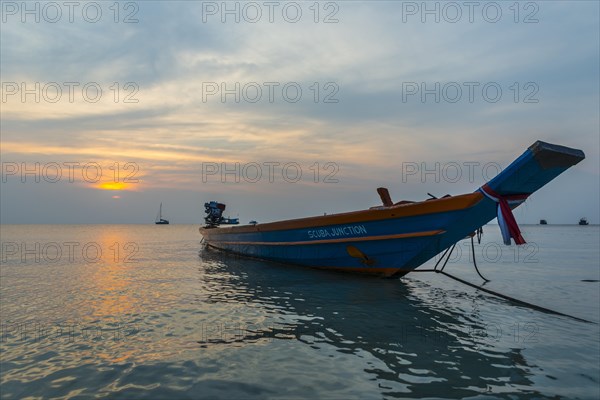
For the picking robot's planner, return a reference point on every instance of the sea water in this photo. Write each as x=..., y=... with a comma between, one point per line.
x=144, y=311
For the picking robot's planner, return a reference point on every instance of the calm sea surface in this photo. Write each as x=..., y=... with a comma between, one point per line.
x=132, y=311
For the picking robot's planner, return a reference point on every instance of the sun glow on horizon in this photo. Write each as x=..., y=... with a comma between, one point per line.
x=113, y=186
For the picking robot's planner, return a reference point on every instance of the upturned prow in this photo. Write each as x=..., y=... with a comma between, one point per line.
x=541, y=163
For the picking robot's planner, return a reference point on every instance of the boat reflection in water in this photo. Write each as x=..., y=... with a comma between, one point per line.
x=372, y=331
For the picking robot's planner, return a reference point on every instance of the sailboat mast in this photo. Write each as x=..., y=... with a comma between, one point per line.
x=159, y=217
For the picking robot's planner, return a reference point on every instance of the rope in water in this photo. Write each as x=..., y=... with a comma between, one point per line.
x=517, y=301
x=447, y=255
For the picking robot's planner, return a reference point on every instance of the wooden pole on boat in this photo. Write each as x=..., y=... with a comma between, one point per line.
x=384, y=194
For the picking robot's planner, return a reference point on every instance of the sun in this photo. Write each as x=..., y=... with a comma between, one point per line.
x=112, y=186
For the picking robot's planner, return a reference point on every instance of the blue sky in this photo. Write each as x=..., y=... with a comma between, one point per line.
x=355, y=118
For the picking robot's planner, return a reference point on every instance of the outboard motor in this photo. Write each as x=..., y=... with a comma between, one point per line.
x=214, y=215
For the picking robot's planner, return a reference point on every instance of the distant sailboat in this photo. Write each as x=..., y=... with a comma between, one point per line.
x=159, y=219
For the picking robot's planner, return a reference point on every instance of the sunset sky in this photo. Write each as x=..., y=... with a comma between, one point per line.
x=355, y=95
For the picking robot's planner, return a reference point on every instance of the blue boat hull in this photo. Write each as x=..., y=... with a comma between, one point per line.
x=392, y=241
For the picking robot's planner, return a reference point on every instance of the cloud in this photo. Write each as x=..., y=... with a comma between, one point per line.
x=365, y=62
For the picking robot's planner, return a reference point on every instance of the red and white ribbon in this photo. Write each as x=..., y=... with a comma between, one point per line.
x=506, y=219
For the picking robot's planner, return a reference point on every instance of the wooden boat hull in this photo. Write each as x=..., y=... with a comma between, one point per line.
x=392, y=241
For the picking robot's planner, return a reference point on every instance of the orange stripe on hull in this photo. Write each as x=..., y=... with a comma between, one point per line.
x=343, y=240
x=447, y=204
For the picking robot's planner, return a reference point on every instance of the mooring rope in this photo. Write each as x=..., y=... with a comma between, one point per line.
x=447, y=255
x=475, y=262
x=520, y=302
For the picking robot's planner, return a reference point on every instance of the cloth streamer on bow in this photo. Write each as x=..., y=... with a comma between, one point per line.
x=506, y=219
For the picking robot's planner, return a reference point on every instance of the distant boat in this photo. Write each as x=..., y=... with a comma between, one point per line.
x=392, y=239
x=543, y=222
x=583, y=221
x=159, y=219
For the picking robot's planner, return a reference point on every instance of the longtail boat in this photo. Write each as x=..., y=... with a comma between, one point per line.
x=394, y=238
